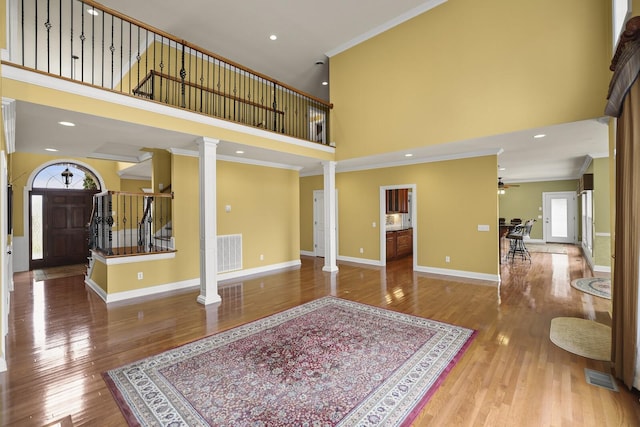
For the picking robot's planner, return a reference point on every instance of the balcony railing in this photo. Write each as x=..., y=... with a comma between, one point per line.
x=89, y=43
x=125, y=223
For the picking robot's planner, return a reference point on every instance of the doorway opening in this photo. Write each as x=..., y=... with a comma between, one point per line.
x=398, y=223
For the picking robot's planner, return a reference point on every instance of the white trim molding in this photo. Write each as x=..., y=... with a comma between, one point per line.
x=460, y=273
x=258, y=270
x=365, y=261
x=137, y=293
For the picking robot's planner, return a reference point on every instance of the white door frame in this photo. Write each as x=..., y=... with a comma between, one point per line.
x=319, y=195
x=572, y=221
x=383, y=221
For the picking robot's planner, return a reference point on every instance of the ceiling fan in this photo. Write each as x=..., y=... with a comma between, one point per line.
x=502, y=186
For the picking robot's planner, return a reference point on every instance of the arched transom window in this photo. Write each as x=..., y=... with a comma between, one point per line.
x=66, y=176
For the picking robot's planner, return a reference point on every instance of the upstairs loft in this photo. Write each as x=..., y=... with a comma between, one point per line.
x=86, y=43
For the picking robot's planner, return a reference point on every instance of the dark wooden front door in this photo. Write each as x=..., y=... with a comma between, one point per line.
x=66, y=214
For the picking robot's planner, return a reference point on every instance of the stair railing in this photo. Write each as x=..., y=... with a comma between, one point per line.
x=86, y=42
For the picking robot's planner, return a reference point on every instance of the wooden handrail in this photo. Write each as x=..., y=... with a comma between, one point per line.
x=133, y=193
x=185, y=43
x=137, y=90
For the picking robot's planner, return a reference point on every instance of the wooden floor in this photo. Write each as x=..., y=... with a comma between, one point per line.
x=62, y=337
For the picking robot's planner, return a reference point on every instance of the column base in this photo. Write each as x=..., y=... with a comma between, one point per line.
x=204, y=300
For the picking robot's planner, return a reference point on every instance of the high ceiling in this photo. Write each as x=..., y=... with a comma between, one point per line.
x=308, y=32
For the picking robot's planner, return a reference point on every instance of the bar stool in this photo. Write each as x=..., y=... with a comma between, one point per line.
x=516, y=240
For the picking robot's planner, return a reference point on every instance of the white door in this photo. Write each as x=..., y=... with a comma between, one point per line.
x=318, y=223
x=559, y=219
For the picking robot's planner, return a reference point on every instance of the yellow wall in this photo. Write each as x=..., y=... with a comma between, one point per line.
x=134, y=185
x=23, y=164
x=161, y=167
x=186, y=211
x=307, y=186
x=602, y=214
x=453, y=198
x=525, y=201
x=265, y=205
x=463, y=71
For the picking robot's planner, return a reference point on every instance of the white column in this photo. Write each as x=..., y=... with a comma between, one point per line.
x=208, y=222
x=330, y=220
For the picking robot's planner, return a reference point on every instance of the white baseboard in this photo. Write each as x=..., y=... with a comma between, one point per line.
x=308, y=253
x=185, y=284
x=602, y=268
x=360, y=260
x=3, y=364
x=258, y=270
x=136, y=293
x=459, y=273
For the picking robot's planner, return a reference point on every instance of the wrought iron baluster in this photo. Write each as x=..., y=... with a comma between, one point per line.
x=59, y=37
x=93, y=47
x=48, y=26
x=161, y=64
x=82, y=39
x=275, y=109
x=183, y=74
x=121, y=52
x=112, y=48
x=35, y=27
x=110, y=225
x=102, y=55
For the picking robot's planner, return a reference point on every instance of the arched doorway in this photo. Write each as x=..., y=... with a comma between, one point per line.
x=60, y=203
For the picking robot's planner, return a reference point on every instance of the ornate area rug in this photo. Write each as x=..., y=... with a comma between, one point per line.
x=598, y=286
x=329, y=362
x=582, y=337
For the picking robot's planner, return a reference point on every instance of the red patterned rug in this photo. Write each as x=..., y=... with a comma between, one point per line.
x=328, y=362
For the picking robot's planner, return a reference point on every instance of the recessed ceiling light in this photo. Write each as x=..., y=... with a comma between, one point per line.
x=239, y=152
x=408, y=155
x=502, y=169
x=67, y=124
x=540, y=135
x=273, y=37
x=325, y=83
x=50, y=149
x=92, y=11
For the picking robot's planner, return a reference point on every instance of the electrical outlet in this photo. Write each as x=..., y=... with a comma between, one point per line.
x=140, y=275
x=447, y=259
x=261, y=257
x=361, y=250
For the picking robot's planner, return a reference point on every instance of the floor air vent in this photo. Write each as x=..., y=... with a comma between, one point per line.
x=600, y=379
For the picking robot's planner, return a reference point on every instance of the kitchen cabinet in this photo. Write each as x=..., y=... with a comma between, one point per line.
x=399, y=243
x=391, y=244
x=404, y=242
x=397, y=200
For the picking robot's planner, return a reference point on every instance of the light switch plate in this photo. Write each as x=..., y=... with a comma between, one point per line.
x=483, y=227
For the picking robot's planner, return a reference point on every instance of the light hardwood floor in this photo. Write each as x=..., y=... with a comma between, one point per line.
x=62, y=337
